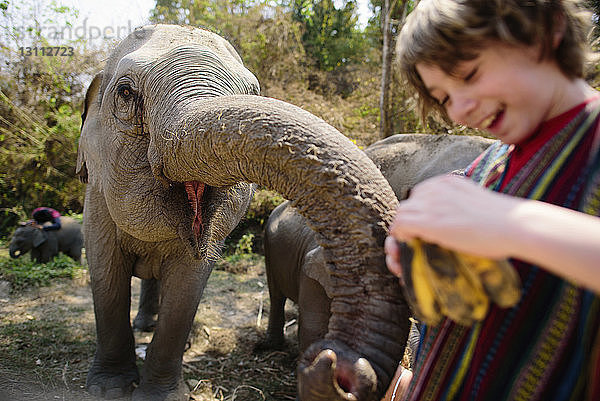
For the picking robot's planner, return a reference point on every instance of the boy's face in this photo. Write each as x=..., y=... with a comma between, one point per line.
x=506, y=91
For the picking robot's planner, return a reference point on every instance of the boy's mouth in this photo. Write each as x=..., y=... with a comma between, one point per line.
x=492, y=121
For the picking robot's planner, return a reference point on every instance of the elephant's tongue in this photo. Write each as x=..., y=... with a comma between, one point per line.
x=194, y=191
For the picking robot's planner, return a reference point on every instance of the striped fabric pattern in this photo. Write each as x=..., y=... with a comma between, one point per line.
x=546, y=347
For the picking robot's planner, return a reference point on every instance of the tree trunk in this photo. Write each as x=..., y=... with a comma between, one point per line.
x=386, y=70
x=385, y=104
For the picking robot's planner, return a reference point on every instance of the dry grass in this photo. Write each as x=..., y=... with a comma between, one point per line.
x=47, y=340
x=221, y=363
x=356, y=116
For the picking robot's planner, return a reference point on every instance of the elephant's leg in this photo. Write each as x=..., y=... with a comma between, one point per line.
x=275, y=338
x=180, y=291
x=313, y=307
x=75, y=254
x=37, y=257
x=113, y=372
x=144, y=320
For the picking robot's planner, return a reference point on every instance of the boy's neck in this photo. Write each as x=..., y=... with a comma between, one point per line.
x=571, y=93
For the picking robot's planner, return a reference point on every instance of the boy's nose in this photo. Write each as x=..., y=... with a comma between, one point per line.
x=461, y=108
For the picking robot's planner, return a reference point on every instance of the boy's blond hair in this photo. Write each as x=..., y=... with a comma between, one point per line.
x=445, y=32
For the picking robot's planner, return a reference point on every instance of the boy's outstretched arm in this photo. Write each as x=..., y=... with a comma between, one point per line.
x=458, y=214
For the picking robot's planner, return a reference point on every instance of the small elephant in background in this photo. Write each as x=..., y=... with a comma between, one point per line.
x=293, y=258
x=45, y=245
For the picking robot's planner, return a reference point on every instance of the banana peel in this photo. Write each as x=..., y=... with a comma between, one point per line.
x=500, y=280
x=439, y=282
x=418, y=290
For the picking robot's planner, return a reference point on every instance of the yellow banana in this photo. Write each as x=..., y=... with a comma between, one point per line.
x=499, y=278
x=417, y=287
x=441, y=282
x=459, y=292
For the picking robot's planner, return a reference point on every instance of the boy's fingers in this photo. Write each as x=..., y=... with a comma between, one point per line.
x=393, y=266
x=391, y=247
x=392, y=257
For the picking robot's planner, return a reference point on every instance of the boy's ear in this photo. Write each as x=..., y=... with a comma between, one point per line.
x=560, y=27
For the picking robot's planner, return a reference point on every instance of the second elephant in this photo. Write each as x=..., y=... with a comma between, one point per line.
x=293, y=258
x=45, y=245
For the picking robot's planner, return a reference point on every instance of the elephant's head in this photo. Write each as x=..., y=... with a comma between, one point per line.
x=173, y=133
x=25, y=238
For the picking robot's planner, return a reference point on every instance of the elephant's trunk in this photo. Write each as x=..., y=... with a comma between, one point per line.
x=14, y=253
x=346, y=201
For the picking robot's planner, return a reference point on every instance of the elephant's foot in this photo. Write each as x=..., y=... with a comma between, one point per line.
x=111, y=384
x=144, y=322
x=154, y=392
x=271, y=344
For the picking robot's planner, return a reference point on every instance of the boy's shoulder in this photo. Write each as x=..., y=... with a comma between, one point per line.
x=486, y=161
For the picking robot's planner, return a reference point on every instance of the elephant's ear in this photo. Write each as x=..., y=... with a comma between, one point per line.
x=89, y=109
x=39, y=237
x=316, y=268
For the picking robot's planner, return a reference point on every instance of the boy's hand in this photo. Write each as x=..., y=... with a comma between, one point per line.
x=457, y=214
x=399, y=385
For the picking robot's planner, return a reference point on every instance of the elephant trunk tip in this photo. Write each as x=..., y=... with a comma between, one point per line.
x=335, y=375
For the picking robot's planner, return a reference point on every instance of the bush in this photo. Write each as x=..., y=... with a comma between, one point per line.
x=24, y=273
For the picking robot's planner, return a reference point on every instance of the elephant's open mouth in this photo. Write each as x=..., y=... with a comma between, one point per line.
x=195, y=192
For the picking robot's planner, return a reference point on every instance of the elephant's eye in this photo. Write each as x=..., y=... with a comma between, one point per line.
x=125, y=91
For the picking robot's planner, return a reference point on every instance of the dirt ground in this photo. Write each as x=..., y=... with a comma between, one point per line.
x=47, y=341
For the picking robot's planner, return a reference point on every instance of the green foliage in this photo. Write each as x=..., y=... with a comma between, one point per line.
x=9, y=218
x=273, y=51
x=76, y=216
x=365, y=110
x=331, y=36
x=244, y=245
x=265, y=35
x=263, y=203
x=40, y=104
x=248, y=235
x=242, y=257
x=23, y=273
x=220, y=16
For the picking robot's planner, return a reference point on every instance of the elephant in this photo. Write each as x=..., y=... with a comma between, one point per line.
x=407, y=159
x=174, y=138
x=294, y=263
x=45, y=245
x=148, y=306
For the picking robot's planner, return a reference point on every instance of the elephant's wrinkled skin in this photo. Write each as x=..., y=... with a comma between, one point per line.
x=45, y=245
x=293, y=259
x=173, y=133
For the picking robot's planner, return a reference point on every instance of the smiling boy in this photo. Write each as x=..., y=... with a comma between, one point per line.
x=515, y=69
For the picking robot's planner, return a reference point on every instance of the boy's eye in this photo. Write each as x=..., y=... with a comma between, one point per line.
x=470, y=75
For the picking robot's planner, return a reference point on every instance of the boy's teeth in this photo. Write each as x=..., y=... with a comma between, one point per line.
x=488, y=121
